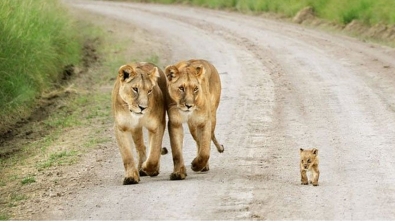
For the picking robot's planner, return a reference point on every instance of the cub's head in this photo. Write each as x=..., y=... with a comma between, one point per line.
x=308, y=158
x=137, y=84
x=185, y=85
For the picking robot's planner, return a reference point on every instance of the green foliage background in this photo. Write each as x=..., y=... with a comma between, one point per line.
x=37, y=41
x=342, y=11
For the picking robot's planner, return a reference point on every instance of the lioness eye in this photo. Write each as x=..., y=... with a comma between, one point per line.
x=196, y=90
x=150, y=91
x=308, y=161
x=135, y=89
x=181, y=88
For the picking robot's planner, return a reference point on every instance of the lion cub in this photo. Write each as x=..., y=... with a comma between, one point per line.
x=309, y=162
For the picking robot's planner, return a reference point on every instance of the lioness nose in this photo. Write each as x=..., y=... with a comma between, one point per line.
x=188, y=106
x=142, y=107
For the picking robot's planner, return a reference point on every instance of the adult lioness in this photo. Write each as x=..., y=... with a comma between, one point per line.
x=138, y=101
x=194, y=89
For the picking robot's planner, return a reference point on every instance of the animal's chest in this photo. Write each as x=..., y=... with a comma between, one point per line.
x=129, y=121
x=194, y=117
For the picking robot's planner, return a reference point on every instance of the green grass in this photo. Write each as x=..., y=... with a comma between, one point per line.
x=28, y=180
x=17, y=197
x=58, y=159
x=38, y=39
x=4, y=216
x=369, y=12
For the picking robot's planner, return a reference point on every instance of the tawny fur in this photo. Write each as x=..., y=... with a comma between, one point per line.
x=137, y=102
x=194, y=88
x=309, y=162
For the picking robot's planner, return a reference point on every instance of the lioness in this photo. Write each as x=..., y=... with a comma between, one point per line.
x=309, y=162
x=138, y=101
x=194, y=88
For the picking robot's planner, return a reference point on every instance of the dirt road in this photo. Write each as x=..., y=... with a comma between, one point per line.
x=284, y=87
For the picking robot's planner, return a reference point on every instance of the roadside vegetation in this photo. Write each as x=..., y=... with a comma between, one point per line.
x=73, y=116
x=41, y=45
x=370, y=12
x=37, y=41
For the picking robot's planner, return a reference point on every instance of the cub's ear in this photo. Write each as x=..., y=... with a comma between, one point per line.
x=172, y=73
x=301, y=150
x=126, y=72
x=315, y=151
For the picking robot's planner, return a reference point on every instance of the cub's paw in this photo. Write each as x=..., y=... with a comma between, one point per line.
x=177, y=176
x=315, y=184
x=305, y=183
x=130, y=180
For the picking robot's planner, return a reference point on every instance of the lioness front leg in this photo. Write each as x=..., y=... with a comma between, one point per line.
x=176, y=133
x=193, y=132
x=124, y=140
x=201, y=160
x=151, y=165
x=140, y=147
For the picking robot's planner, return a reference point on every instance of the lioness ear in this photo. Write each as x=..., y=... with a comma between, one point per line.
x=172, y=73
x=125, y=72
x=315, y=151
x=301, y=150
x=200, y=70
x=153, y=75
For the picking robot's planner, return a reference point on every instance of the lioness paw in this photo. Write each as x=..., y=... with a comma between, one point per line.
x=130, y=180
x=177, y=176
x=206, y=168
x=150, y=170
x=198, y=164
x=142, y=173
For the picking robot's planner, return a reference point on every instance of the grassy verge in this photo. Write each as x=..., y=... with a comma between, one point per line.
x=370, y=12
x=78, y=123
x=38, y=39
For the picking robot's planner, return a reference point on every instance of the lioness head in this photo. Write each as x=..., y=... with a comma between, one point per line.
x=308, y=158
x=136, y=86
x=184, y=85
